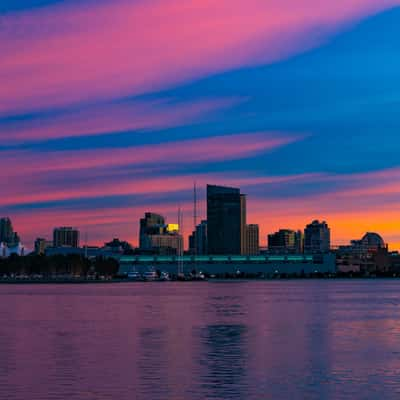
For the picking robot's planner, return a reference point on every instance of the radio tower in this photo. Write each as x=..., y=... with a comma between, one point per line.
x=195, y=216
x=180, y=245
x=194, y=205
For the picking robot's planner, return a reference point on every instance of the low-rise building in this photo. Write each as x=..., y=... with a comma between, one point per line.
x=294, y=264
x=285, y=241
x=41, y=245
x=370, y=255
x=7, y=250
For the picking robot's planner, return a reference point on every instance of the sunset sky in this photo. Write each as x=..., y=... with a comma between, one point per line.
x=109, y=109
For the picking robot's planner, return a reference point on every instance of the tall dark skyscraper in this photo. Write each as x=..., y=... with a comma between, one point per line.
x=226, y=220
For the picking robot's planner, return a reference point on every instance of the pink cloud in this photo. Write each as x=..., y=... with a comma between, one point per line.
x=31, y=191
x=216, y=148
x=114, y=118
x=66, y=54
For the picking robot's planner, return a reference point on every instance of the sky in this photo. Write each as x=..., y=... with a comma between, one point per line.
x=109, y=109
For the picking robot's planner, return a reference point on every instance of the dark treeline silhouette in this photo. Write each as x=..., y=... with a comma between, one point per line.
x=73, y=265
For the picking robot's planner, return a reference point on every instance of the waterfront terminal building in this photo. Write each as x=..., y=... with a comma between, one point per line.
x=223, y=264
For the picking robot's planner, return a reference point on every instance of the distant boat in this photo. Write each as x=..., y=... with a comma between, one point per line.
x=150, y=275
x=164, y=276
x=134, y=276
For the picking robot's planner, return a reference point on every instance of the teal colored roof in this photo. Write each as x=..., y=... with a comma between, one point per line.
x=217, y=258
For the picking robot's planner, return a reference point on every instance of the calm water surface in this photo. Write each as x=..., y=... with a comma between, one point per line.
x=224, y=340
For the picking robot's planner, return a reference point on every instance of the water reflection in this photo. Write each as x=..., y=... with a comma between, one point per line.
x=223, y=361
x=248, y=340
x=152, y=364
x=8, y=361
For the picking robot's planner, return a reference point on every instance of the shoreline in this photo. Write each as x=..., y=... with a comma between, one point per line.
x=212, y=280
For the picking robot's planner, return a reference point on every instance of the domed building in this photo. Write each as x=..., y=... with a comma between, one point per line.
x=367, y=254
x=372, y=240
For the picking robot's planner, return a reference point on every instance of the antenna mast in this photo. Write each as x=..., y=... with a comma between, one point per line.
x=194, y=217
x=194, y=205
x=180, y=243
x=86, y=244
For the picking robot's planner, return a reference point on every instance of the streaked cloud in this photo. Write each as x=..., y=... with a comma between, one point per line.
x=227, y=147
x=109, y=109
x=64, y=54
x=112, y=118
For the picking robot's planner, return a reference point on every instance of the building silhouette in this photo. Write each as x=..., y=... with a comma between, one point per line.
x=151, y=224
x=198, y=242
x=368, y=254
x=317, y=237
x=7, y=234
x=155, y=236
x=118, y=246
x=243, y=225
x=252, y=240
x=285, y=241
x=41, y=245
x=166, y=243
x=226, y=220
x=65, y=236
x=370, y=242
x=6, y=250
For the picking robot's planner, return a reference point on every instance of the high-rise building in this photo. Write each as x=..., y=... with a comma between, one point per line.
x=151, y=224
x=198, y=240
x=7, y=234
x=201, y=238
x=6, y=230
x=299, y=242
x=192, y=243
x=158, y=237
x=243, y=226
x=252, y=239
x=41, y=245
x=65, y=236
x=285, y=241
x=317, y=237
x=226, y=220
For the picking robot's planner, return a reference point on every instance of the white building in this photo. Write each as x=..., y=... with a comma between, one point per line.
x=6, y=251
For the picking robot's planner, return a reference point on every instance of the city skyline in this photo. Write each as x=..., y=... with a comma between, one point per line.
x=227, y=209
x=200, y=199
x=257, y=95
x=187, y=231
